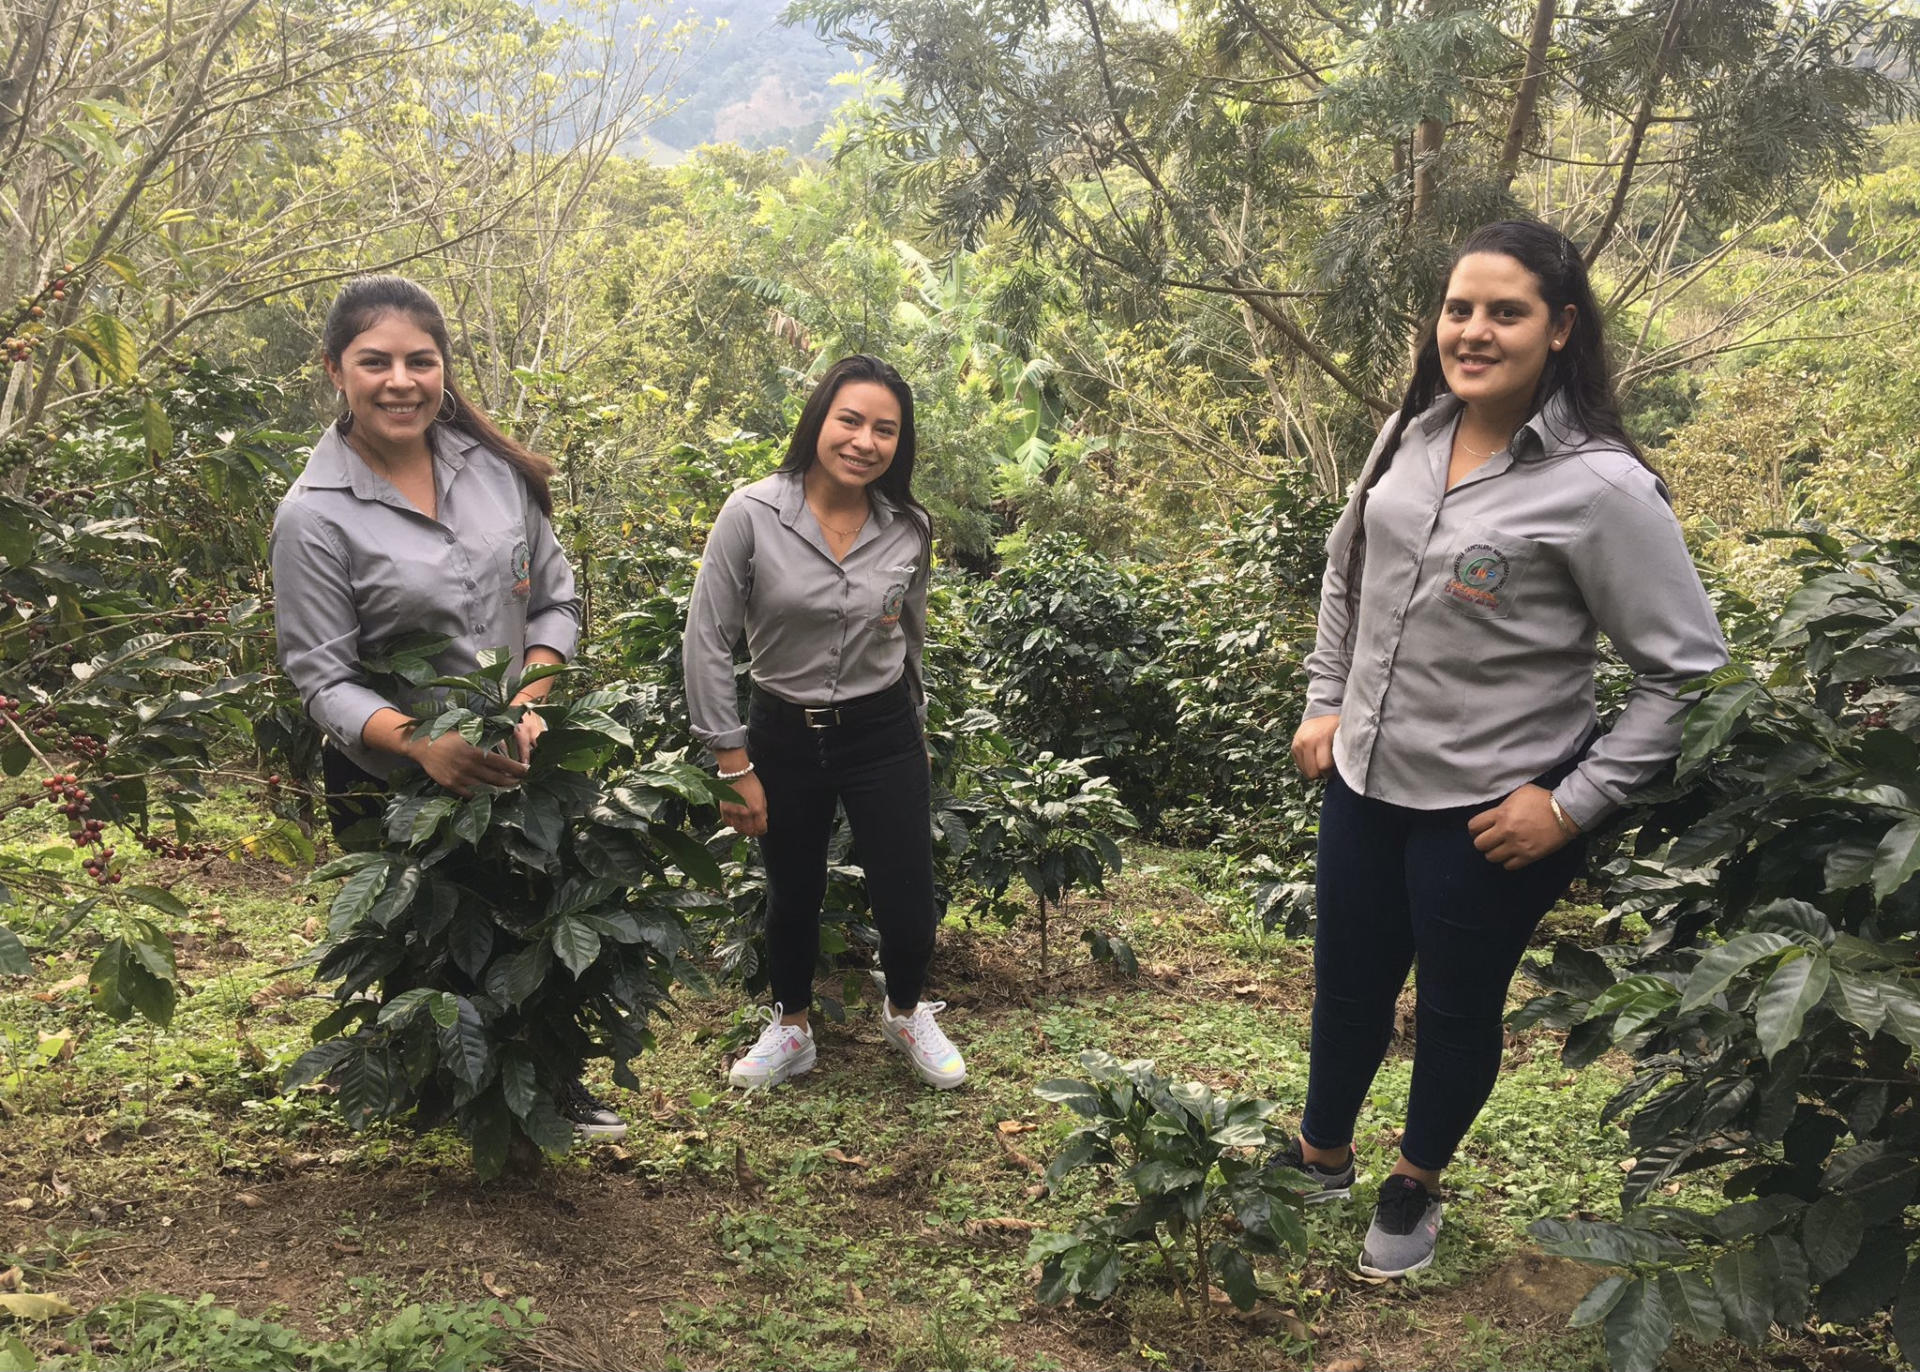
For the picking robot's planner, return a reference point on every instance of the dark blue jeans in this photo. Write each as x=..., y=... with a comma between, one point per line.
x=1399, y=888
x=875, y=766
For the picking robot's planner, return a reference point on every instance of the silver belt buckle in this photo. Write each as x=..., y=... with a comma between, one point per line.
x=823, y=719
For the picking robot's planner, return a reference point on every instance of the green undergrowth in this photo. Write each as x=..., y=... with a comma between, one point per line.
x=852, y=1219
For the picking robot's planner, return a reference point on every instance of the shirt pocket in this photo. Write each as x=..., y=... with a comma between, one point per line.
x=1484, y=572
x=887, y=595
x=508, y=573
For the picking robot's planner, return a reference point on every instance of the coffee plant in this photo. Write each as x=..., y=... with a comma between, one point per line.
x=488, y=947
x=1073, y=647
x=136, y=652
x=1772, y=1010
x=1203, y=1206
x=1052, y=825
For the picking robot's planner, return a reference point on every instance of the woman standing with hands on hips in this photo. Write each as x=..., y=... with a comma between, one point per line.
x=415, y=515
x=1503, y=519
x=824, y=566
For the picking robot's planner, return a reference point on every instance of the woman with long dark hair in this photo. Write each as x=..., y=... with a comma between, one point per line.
x=823, y=566
x=1502, y=521
x=415, y=515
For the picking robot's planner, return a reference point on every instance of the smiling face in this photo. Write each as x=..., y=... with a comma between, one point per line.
x=857, y=441
x=1495, y=333
x=392, y=377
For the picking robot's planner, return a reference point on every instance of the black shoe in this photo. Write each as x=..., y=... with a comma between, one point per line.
x=1319, y=1184
x=590, y=1117
x=1405, y=1228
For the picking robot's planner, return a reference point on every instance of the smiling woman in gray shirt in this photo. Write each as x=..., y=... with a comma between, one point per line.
x=415, y=515
x=1502, y=522
x=823, y=567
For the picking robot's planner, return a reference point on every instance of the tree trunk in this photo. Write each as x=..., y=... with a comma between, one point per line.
x=1428, y=138
x=1527, y=100
x=1637, y=135
x=1043, y=937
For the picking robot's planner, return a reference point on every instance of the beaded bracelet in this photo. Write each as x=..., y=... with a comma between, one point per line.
x=735, y=776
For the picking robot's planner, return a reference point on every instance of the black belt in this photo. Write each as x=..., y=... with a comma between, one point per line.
x=859, y=710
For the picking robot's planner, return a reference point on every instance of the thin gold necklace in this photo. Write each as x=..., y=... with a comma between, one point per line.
x=835, y=528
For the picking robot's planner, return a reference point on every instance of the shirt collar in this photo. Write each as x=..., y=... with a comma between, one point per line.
x=334, y=462
x=1549, y=432
x=792, y=498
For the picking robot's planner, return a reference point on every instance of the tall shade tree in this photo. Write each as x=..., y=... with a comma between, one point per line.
x=1310, y=161
x=174, y=163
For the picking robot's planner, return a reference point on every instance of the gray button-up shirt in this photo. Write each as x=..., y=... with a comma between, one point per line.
x=1471, y=670
x=356, y=565
x=818, y=631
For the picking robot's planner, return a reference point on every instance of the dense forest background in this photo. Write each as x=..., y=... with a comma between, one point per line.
x=1154, y=273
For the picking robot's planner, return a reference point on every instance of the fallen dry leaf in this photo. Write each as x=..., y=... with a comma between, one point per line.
x=1251, y=988
x=25, y=1307
x=61, y=1190
x=494, y=1289
x=1000, y=1224
x=21, y=1203
x=251, y=1201
x=311, y=929
x=1346, y=1365
x=1018, y=1158
x=10, y=1279
x=348, y=1250
x=64, y=1053
x=1015, y=1127
x=845, y=1159
x=854, y=1294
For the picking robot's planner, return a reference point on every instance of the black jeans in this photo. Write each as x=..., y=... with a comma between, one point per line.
x=356, y=799
x=1398, y=887
x=876, y=766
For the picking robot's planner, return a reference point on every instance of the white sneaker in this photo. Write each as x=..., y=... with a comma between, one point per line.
x=783, y=1051
x=927, y=1047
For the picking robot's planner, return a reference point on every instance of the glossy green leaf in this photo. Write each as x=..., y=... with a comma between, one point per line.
x=1638, y=1328
x=13, y=955
x=1692, y=1304
x=464, y=1046
x=575, y=943
x=1596, y=1304
x=1830, y=1233
x=1230, y=1265
x=1794, y=988
x=366, y=1088
x=1712, y=721
x=1897, y=858
x=1712, y=974
x=1745, y=1290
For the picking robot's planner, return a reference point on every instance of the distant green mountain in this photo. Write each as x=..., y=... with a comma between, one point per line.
x=757, y=82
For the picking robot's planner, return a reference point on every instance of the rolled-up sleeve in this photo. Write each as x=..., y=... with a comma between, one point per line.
x=1632, y=567
x=316, y=628
x=715, y=618
x=553, y=608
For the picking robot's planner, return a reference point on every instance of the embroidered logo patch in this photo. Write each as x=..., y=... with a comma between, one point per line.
x=522, y=569
x=1478, y=574
x=890, y=604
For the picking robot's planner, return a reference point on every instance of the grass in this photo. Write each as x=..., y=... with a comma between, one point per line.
x=829, y=1224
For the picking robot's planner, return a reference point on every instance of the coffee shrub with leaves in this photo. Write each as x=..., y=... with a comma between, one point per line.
x=1054, y=826
x=487, y=948
x=1203, y=1206
x=1772, y=1010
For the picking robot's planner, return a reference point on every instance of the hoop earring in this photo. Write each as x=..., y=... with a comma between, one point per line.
x=444, y=414
x=344, y=424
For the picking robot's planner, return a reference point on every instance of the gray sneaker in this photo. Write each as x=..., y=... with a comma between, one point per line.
x=1406, y=1224
x=1316, y=1183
